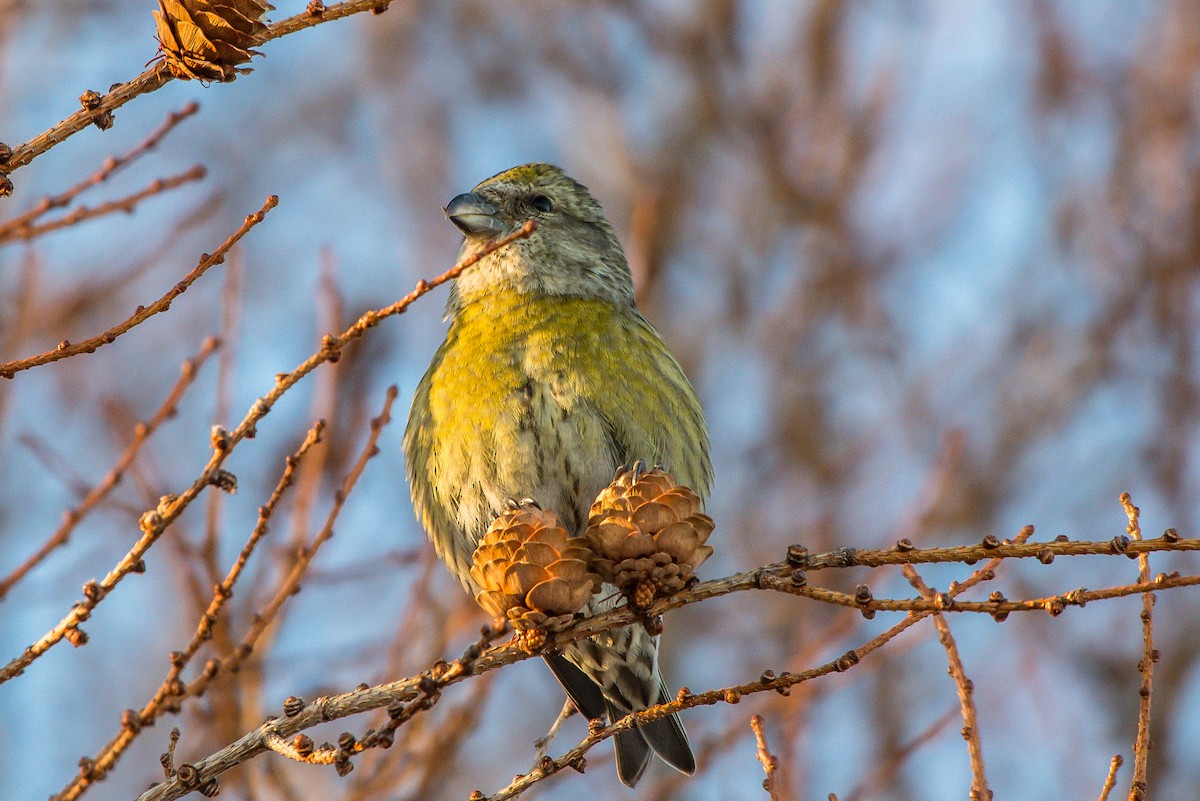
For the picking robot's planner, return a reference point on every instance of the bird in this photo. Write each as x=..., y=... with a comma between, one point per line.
x=549, y=380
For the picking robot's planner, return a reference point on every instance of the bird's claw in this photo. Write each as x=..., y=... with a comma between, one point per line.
x=512, y=504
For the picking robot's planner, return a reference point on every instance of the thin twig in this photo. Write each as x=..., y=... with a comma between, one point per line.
x=66, y=349
x=1141, y=745
x=1110, y=781
x=157, y=76
x=229, y=698
x=324, y=402
x=305, y=554
x=905, y=554
x=172, y=691
x=965, y=688
x=110, y=166
x=769, y=761
x=541, y=745
x=141, y=432
x=999, y=607
x=125, y=204
x=231, y=296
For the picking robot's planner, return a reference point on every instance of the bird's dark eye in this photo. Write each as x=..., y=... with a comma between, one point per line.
x=542, y=203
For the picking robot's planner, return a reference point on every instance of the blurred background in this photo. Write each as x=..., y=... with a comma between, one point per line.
x=932, y=267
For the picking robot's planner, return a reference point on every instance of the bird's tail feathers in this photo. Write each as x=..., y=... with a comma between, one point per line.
x=634, y=747
x=633, y=752
x=668, y=739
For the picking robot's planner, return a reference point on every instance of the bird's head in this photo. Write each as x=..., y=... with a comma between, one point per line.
x=573, y=252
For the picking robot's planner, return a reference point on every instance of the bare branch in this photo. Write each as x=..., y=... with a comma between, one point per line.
x=997, y=606
x=66, y=349
x=1141, y=745
x=965, y=688
x=125, y=204
x=769, y=761
x=9, y=228
x=172, y=691
x=1110, y=781
x=157, y=76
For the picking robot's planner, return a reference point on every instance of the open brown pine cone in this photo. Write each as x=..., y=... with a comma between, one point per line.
x=208, y=39
x=648, y=533
x=532, y=573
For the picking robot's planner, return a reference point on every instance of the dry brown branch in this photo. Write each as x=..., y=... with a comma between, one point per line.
x=998, y=606
x=425, y=687
x=1141, y=745
x=781, y=683
x=125, y=204
x=155, y=521
x=157, y=76
x=964, y=686
x=769, y=761
x=97, y=493
x=172, y=691
x=1110, y=781
x=904, y=553
x=9, y=228
x=66, y=349
x=409, y=695
x=403, y=698
x=305, y=553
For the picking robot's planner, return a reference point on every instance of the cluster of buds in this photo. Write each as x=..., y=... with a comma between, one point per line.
x=208, y=40
x=645, y=535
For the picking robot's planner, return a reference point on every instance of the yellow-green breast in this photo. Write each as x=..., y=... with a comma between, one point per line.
x=543, y=397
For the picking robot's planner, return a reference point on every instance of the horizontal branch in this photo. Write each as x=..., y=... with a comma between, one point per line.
x=904, y=553
x=335, y=707
x=999, y=607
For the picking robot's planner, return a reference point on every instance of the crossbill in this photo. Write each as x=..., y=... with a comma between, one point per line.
x=549, y=380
